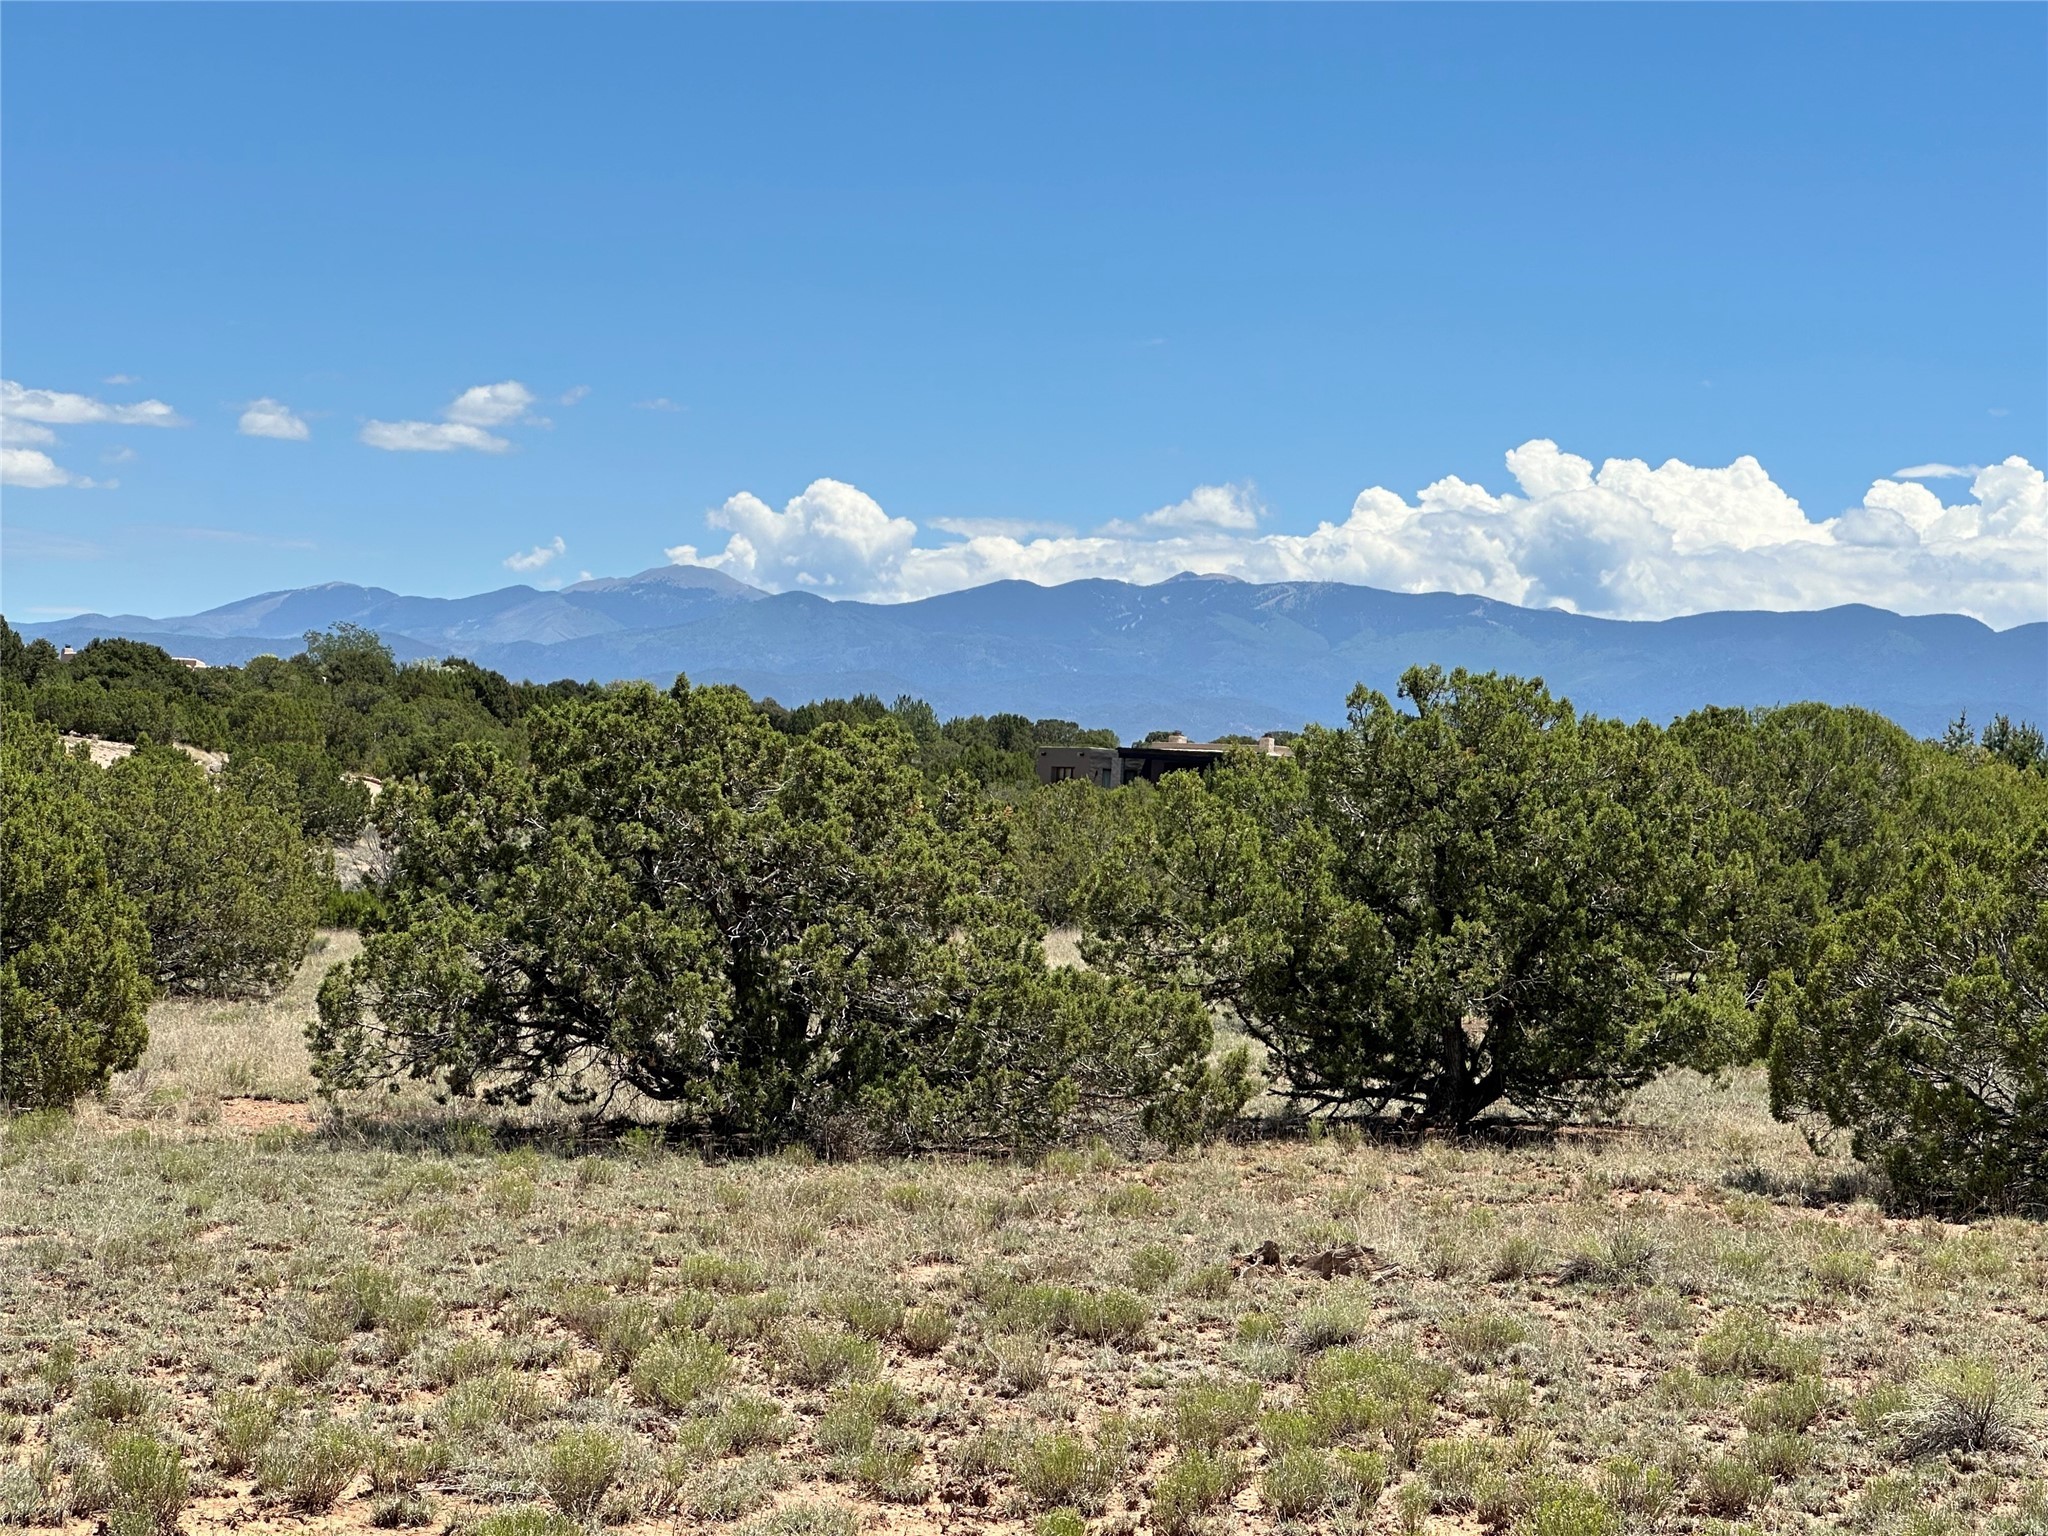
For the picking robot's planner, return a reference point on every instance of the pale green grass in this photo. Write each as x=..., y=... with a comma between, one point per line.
x=1695, y=1325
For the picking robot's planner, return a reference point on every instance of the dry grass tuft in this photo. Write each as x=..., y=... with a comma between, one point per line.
x=220, y=1308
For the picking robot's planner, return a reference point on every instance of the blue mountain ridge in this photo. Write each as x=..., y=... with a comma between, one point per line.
x=1197, y=653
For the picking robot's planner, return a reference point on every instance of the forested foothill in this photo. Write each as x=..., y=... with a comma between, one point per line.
x=828, y=924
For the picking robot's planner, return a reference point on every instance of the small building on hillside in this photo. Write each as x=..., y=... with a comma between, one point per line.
x=1098, y=765
x=1111, y=766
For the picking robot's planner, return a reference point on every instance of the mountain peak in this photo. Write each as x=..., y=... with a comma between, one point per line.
x=698, y=577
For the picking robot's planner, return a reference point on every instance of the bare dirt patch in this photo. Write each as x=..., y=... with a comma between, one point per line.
x=249, y=1117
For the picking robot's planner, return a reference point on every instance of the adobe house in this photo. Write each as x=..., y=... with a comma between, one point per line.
x=1111, y=766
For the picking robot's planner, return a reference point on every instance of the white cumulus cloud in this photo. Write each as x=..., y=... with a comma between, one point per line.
x=33, y=470
x=1234, y=507
x=58, y=408
x=1013, y=527
x=491, y=405
x=1936, y=471
x=1623, y=540
x=832, y=538
x=429, y=437
x=463, y=425
x=27, y=417
x=273, y=418
x=536, y=557
x=24, y=433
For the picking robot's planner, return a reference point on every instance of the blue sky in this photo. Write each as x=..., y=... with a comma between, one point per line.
x=1107, y=290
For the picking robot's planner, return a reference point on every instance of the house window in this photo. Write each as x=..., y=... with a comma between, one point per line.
x=1061, y=774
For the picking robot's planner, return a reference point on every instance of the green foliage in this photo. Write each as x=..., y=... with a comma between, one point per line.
x=1210, y=1414
x=1729, y=1485
x=926, y=1330
x=1779, y=1454
x=781, y=934
x=107, y=1399
x=1750, y=1344
x=146, y=1485
x=1211, y=1282
x=1104, y=1316
x=74, y=954
x=1971, y=1404
x=818, y=1357
x=1486, y=897
x=581, y=1467
x=360, y=909
x=1299, y=1483
x=121, y=689
x=1064, y=1470
x=1481, y=1338
x=826, y=923
x=330, y=805
x=1152, y=1265
x=2020, y=746
x=859, y=1410
x=500, y=1398
x=1783, y=1409
x=1921, y=1021
x=226, y=885
x=726, y=1493
x=674, y=1373
x=716, y=1272
x=1195, y=1483
x=870, y=1315
x=312, y=1469
x=1059, y=833
x=1815, y=795
x=350, y=656
x=995, y=751
x=306, y=1364
x=1560, y=1508
x=1644, y=1494
x=1846, y=1270
x=342, y=705
x=751, y=1424
x=526, y=1520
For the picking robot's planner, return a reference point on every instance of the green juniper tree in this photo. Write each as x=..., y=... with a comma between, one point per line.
x=1482, y=898
x=783, y=935
x=1920, y=1022
x=226, y=885
x=74, y=955
x=1815, y=794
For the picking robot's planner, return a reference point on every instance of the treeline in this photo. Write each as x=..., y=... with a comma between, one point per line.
x=828, y=923
x=344, y=708
x=339, y=709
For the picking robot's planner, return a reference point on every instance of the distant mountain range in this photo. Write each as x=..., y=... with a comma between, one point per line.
x=1201, y=654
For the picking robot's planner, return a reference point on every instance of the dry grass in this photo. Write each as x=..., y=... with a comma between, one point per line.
x=429, y=1319
x=203, y=1053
